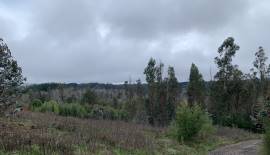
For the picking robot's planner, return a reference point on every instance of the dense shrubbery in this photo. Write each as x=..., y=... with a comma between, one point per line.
x=78, y=110
x=191, y=122
x=64, y=109
x=35, y=104
x=50, y=106
x=107, y=112
x=72, y=109
x=242, y=121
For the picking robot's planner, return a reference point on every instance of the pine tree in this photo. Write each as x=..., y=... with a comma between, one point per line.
x=196, y=87
x=11, y=77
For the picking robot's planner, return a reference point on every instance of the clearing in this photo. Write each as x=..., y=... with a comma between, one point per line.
x=46, y=133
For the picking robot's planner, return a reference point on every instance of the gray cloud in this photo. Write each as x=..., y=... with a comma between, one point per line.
x=110, y=41
x=162, y=17
x=63, y=19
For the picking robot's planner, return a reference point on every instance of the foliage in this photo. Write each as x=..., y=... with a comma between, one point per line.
x=50, y=106
x=89, y=97
x=35, y=104
x=196, y=87
x=240, y=120
x=224, y=91
x=64, y=109
x=192, y=122
x=173, y=90
x=65, y=135
x=161, y=104
x=132, y=107
x=72, y=109
x=107, y=112
x=10, y=77
x=260, y=64
x=224, y=61
x=150, y=73
x=232, y=94
x=44, y=133
x=162, y=93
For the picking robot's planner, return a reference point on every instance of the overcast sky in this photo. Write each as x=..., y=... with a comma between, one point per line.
x=112, y=40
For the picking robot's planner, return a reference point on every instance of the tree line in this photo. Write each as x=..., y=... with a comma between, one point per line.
x=232, y=98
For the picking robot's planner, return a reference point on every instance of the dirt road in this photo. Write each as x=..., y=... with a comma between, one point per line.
x=250, y=147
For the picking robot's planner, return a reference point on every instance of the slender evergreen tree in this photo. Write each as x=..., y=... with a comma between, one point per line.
x=196, y=87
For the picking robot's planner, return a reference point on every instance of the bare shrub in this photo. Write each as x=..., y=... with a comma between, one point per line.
x=65, y=134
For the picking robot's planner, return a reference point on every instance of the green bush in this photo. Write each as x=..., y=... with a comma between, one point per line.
x=36, y=103
x=50, y=106
x=242, y=121
x=77, y=110
x=72, y=109
x=191, y=122
x=64, y=109
x=107, y=112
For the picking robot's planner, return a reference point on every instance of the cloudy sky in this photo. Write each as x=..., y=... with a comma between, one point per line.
x=112, y=40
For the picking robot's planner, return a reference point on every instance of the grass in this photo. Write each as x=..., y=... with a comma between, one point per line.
x=46, y=133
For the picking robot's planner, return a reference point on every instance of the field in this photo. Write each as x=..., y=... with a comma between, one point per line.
x=46, y=133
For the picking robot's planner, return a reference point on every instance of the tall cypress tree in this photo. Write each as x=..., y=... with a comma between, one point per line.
x=196, y=87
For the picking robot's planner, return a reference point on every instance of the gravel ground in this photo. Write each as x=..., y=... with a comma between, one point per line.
x=250, y=147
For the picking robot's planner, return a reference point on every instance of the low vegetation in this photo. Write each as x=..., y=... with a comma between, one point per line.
x=43, y=131
x=79, y=110
x=46, y=133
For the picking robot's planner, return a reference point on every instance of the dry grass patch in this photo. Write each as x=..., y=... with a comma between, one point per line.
x=67, y=134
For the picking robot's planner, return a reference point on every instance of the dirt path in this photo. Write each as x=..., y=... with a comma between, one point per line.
x=250, y=147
